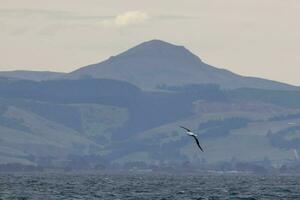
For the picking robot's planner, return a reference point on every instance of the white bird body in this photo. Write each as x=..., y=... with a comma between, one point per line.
x=191, y=133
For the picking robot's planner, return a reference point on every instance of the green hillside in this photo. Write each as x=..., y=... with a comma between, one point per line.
x=90, y=124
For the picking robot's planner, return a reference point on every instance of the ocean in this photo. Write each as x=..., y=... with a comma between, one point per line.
x=137, y=186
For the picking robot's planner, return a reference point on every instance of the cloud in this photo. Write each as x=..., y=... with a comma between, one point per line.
x=131, y=17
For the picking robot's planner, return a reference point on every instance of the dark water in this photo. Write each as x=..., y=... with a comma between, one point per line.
x=147, y=186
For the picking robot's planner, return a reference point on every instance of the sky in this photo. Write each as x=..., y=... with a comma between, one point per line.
x=250, y=37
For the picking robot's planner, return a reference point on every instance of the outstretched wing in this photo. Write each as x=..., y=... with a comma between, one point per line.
x=185, y=128
x=197, y=141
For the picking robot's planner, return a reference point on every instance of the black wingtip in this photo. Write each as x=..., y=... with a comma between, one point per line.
x=185, y=128
x=200, y=148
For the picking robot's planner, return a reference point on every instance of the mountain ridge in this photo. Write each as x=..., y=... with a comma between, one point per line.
x=155, y=63
x=30, y=75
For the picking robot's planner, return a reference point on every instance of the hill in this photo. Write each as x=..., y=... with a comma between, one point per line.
x=30, y=75
x=101, y=122
x=125, y=112
x=156, y=63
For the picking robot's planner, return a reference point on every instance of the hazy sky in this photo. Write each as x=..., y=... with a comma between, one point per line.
x=249, y=37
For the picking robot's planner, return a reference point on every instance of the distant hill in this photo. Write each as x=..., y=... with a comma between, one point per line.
x=30, y=75
x=126, y=112
x=102, y=122
x=156, y=63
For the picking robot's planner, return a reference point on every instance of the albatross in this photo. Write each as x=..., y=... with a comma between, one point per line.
x=190, y=133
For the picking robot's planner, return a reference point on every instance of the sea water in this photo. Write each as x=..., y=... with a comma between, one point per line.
x=148, y=186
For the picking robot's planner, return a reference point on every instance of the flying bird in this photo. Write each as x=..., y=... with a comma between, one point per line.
x=190, y=133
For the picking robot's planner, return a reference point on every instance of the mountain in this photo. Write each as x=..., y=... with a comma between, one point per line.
x=128, y=116
x=155, y=64
x=30, y=75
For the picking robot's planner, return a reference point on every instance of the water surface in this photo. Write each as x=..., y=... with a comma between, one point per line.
x=147, y=186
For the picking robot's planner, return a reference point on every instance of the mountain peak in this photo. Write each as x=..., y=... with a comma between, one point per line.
x=159, y=48
x=158, y=43
x=154, y=63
